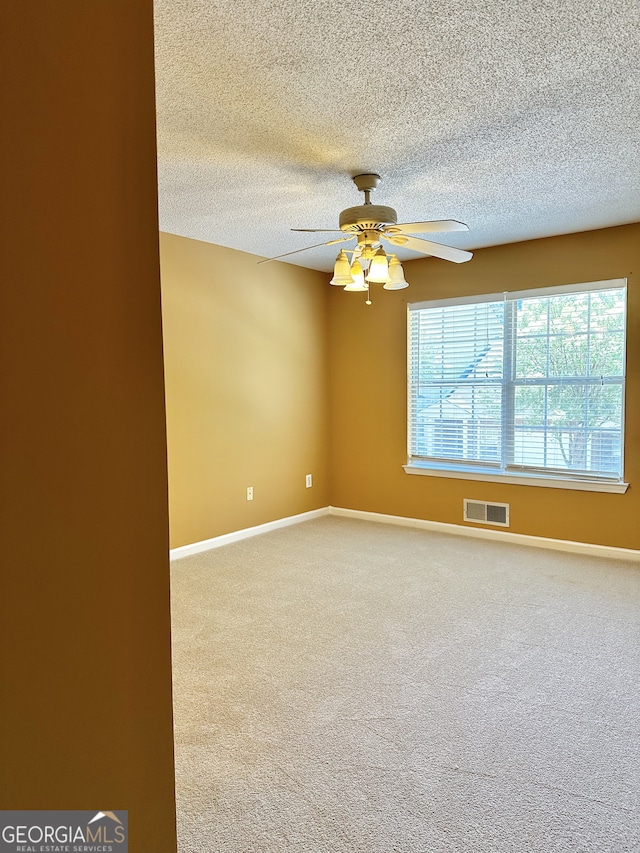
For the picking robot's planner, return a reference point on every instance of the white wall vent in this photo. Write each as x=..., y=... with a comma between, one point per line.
x=481, y=512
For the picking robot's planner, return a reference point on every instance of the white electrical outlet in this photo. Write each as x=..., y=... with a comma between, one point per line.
x=309, y=481
x=249, y=493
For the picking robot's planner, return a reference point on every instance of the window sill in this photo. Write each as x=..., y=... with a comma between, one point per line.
x=518, y=479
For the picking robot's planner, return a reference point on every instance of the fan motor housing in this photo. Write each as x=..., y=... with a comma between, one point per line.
x=367, y=217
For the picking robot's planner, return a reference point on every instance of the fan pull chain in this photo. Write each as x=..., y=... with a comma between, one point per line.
x=368, y=302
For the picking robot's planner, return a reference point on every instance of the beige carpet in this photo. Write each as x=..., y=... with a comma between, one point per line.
x=350, y=686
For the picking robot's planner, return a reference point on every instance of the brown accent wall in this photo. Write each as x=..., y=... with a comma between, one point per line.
x=85, y=680
x=246, y=386
x=368, y=391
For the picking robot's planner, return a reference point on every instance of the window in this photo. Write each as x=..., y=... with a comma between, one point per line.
x=526, y=385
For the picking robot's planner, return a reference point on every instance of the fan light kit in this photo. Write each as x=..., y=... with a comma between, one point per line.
x=370, y=224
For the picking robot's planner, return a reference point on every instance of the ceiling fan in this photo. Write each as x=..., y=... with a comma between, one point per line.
x=371, y=225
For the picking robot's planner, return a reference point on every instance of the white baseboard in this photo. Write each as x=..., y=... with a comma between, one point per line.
x=608, y=551
x=245, y=533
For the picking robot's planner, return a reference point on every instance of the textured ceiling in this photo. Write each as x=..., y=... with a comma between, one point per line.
x=519, y=118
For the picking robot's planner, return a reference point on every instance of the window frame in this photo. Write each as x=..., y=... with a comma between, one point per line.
x=505, y=472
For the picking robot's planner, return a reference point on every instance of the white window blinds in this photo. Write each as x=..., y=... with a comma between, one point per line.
x=525, y=381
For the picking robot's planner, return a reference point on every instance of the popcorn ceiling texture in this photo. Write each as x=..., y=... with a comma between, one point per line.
x=519, y=119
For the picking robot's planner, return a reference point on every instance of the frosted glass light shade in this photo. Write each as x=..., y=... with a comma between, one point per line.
x=341, y=271
x=357, y=274
x=396, y=276
x=379, y=268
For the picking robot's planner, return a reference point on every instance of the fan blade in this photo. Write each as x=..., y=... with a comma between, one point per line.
x=427, y=247
x=320, y=230
x=426, y=227
x=306, y=248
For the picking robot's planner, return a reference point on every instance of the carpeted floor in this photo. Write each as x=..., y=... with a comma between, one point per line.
x=349, y=686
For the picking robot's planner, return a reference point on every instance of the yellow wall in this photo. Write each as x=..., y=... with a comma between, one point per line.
x=246, y=386
x=85, y=679
x=368, y=391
